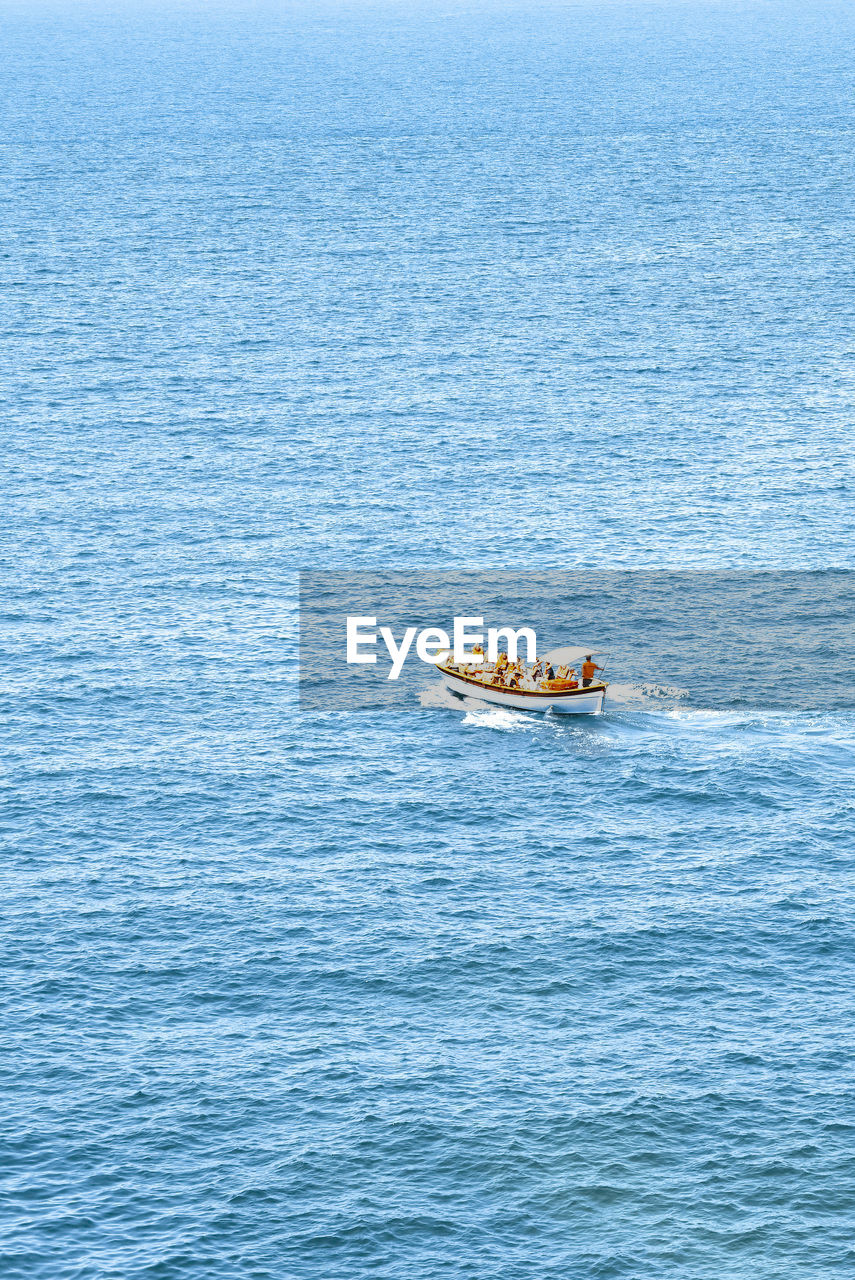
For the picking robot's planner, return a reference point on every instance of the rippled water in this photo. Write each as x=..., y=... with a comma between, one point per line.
x=436, y=991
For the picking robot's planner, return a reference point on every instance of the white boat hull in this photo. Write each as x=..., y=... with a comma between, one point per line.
x=575, y=702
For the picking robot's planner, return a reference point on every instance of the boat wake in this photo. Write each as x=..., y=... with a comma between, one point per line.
x=475, y=711
x=641, y=695
x=437, y=695
x=639, y=714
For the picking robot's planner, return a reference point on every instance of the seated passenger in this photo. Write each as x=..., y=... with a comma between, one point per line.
x=571, y=676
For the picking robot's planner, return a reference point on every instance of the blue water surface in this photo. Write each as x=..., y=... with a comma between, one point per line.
x=431, y=992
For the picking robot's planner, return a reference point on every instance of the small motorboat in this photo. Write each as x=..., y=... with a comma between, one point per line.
x=561, y=696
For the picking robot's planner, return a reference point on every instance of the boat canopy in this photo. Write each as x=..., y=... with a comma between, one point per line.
x=569, y=653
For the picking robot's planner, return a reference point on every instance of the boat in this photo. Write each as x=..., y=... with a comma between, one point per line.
x=558, y=696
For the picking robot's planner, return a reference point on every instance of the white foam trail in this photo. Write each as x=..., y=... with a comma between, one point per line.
x=645, y=708
x=479, y=713
x=438, y=695
x=638, y=695
x=487, y=717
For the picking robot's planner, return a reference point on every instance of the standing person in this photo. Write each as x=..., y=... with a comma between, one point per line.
x=588, y=669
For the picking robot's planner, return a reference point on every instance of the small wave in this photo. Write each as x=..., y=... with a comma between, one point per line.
x=483, y=714
x=437, y=695
x=487, y=717
x=643, y=694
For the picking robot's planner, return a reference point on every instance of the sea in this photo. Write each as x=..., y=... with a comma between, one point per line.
x=422, y=989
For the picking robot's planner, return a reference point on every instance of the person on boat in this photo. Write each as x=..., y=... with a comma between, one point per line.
x=502, y=661
x=548, y=671
x=571, y=678
x=475, y=665
x=588, y=669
